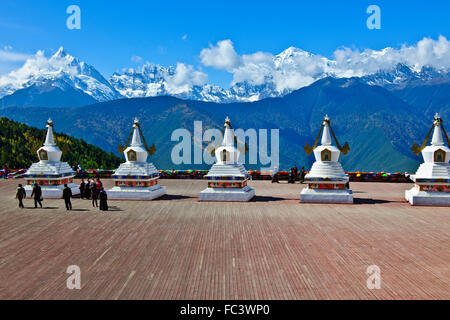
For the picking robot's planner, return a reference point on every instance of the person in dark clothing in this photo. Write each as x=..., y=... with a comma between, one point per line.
x=302, y=175
x=103, y=200
x=87, y=189
x=291, y=176
x=37, y=195
x=94, y=194
x=82, y=188
x=295, y=173
x=275, y=175
x=20, y=195
x=67, y=194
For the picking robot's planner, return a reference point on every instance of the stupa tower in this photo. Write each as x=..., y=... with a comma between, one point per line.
x=136, y=179
x=50, y=173
x=327, y=181
x=432, y=179
x=227, y=178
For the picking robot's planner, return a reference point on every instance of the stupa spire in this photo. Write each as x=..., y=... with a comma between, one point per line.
x=433, y=175
x=327, y=180
x=228, y=178
x=437, y=139
x=49, y=140
x=228, y=135
x=136, y=179
x=326, y=136
x=136, y=140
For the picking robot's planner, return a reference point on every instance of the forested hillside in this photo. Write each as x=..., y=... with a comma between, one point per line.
x=19, y=143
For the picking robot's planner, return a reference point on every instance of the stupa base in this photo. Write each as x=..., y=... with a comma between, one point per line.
x=326, y=196
x=425, y=198
x=135, y=193
x=53, y=192
x=224, y=194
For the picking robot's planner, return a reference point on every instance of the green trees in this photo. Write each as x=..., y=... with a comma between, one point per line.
x=19, y=143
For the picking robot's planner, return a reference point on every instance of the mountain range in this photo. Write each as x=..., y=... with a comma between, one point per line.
x=380, y=125
x=379, y=114
x=64, y=81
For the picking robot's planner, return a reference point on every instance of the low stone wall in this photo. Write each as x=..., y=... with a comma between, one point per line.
x=255, y=175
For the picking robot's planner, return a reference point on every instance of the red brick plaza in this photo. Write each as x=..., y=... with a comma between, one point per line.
x=273, y=247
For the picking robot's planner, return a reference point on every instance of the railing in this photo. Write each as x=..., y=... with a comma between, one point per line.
x=255, y=175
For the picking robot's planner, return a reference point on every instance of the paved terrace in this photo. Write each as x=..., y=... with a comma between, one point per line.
x=270, y=248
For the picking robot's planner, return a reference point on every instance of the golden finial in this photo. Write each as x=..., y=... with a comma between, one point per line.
x=437, y=119
x=227, y=122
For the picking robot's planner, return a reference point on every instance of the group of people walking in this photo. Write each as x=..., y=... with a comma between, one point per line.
x=293, y=175
x=36, y=194
x=91, y=190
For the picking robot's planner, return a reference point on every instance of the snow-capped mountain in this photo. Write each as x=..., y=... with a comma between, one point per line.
x=403, y=75
x=275, y=76
x=153, y=80
x=148, y=81
x=64, y=81
x=61, y=71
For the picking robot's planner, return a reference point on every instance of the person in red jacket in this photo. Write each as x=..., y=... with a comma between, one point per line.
x=5, y=171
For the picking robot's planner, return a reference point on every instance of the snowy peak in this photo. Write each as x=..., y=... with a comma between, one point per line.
x=402, y=75
x=60, y=53
x=60, y=70
x=147, y=81
x=255, y=76
x=154, y=80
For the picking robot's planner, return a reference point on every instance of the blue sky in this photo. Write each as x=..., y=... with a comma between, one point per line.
x=112, y=32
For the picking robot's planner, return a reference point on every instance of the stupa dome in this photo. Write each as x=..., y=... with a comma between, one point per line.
x=327, y=180
x=227, y=153
x=437, y=152
x=326, y=151
x=136, y=151
x=49, y=151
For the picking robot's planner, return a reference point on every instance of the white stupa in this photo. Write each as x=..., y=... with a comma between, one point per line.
x=327, y=181
x=50, y=173
x=136, y=179
x=227, y=179
x=432, y=179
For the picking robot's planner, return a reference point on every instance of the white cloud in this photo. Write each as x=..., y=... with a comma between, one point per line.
x=184, y=37
x=7, y=55
x=184, y=78
x=136, y=59
x=222, y=56
x=427, y=52
x=254, y=68
x=295, y=68
x=10, y=60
